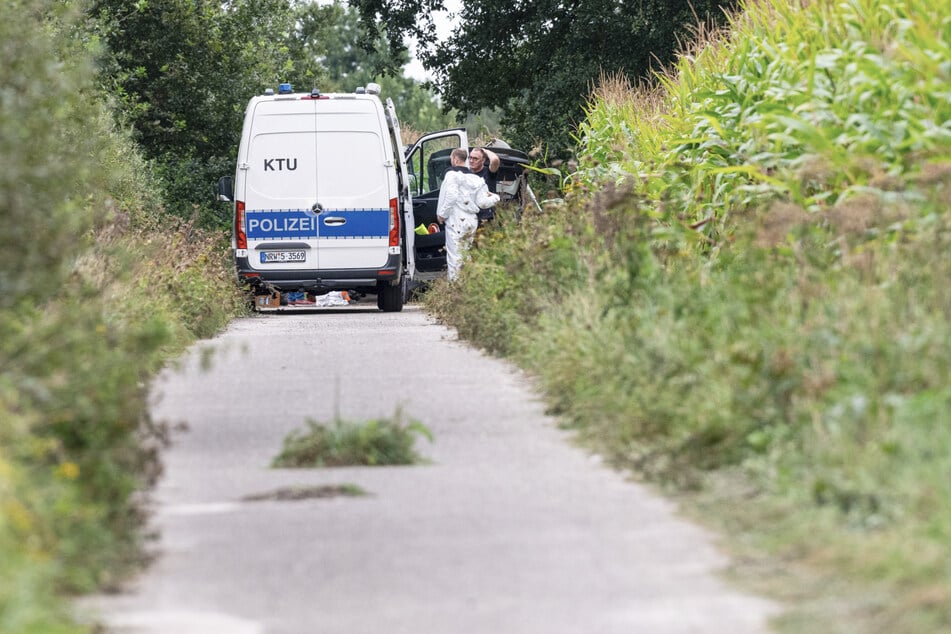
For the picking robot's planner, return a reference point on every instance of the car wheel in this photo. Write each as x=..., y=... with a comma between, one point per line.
x=389, y=298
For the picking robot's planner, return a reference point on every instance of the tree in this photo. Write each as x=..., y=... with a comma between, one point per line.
x=537, y=60
x=182, y=72
x=184, y=69
x=349, y=64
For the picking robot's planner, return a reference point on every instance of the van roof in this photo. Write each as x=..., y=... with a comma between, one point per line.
x=285, y=91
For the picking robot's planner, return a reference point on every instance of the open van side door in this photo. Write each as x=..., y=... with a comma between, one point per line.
x=405, y=195
x=427, y=162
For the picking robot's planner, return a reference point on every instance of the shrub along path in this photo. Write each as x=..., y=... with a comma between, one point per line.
x=506, y=527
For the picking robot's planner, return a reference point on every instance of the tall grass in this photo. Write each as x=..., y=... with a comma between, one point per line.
x=746, y=301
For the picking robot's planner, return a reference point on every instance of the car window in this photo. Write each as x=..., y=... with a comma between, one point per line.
x=429, y=163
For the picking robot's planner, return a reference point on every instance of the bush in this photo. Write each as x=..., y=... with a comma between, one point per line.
x=519, y=271
x=92, y=300
x=189, y=188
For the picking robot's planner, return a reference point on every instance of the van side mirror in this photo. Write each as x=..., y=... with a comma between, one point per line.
x=226, y=189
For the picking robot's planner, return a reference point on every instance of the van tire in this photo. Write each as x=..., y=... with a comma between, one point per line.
x=389, y=298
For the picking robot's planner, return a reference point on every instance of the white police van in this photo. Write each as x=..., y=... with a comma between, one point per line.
x=321, y=196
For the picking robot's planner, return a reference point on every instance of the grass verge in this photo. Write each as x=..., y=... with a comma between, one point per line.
x=745, y=302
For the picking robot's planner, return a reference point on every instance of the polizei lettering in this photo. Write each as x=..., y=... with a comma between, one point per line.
x=281, y=224
x=280, y=164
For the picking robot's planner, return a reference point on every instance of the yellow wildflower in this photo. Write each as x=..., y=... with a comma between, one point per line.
x=68, y=470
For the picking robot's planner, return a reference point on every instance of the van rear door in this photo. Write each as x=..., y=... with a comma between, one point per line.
x=280, y=185
x=355, y=183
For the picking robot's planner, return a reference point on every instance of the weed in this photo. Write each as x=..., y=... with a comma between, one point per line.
x=377, y=442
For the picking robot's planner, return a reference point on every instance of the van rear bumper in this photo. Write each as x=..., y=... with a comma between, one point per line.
x=312, y=279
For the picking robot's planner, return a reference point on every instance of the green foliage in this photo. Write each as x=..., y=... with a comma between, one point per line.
x=184, y=70
x=69, y=411
x=520, y=271
x=188, y=184
x=377, y=442
x=182, y=73
x=84, y=321
x=349, y=64
x=754, y=257
x=536, y=61
x=52, y=184
x=821, y=109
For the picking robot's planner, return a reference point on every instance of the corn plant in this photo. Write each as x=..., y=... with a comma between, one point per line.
x=797, y=101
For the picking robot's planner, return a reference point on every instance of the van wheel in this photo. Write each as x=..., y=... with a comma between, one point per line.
x=389, y=298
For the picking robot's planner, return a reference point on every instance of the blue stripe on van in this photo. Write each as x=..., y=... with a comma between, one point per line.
x=280, y=224
x=360, y=223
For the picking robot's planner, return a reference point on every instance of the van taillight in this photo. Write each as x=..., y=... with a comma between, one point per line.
x=240, y=237
x=394, y=223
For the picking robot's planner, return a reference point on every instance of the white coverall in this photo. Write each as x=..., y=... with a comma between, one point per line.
x=461, y=196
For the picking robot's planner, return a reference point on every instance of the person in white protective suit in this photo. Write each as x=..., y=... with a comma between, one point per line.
x=461, y=197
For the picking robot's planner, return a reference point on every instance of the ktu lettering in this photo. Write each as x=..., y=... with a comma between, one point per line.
x=282, y=164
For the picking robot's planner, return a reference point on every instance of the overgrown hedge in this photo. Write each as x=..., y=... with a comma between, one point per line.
x=97, y=288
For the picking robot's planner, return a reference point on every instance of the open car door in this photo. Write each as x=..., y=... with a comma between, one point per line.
x=427, y=162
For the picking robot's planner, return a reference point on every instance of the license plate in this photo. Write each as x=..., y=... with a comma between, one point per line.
x=268, y=257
